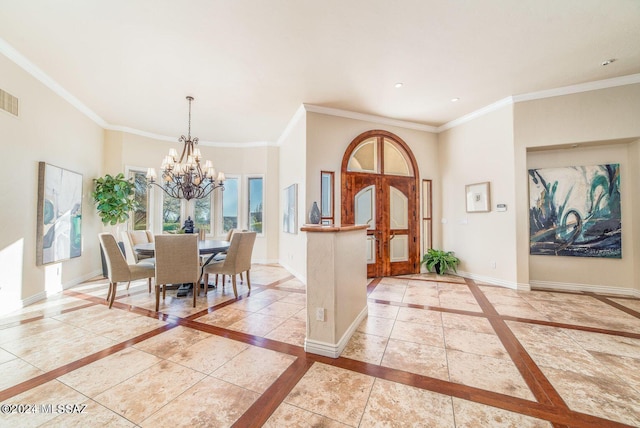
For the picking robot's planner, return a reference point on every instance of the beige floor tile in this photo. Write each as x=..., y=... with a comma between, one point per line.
x=629, y=303
x=25, y=331
x=365, y=347
x=6, y=356
x=607, y=344
x=209, y=403
x=48, y=351
x=395, y=405
x=472, y=415
x=290, y=416
x=388, y=292
x=106, y=373
x=491, y=374
x=421, y=316
x=172, y=341
x=376, y=326
x=208, y=354
x=467, y=322
x=16, y=371
x=257, y=324
x=293, y=331
x=52, y=393
x=142, y=395
x=626, y=368
x=601, y=396
x=223, y=317
x=332, y=392
x=475, y=343
x=281, y=309
x=296, y=299
x=94, y=415
x=427, y=334
x=382, y=311
x=254, y=368
x=416, y=358
x=252, y=304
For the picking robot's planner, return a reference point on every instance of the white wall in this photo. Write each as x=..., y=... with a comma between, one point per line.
x=292, y=170
x=49, y=130
x=479, y=151
x=605, y=115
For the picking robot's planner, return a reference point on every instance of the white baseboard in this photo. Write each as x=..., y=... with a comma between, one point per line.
x=568, y=286
x=495, y=281
x=334, y=350
x=293, y=272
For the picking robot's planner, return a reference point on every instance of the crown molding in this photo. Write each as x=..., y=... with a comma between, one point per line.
x=200, y=142
x=10, y=52
x=299, y=114
x=369, y=118
x=580, y=87
x=475, y=114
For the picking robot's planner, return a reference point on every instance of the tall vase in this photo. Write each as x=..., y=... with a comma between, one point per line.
x=314, y=214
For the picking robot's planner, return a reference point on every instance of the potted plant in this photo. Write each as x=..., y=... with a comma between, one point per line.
x=440, y=261
x=114, y=199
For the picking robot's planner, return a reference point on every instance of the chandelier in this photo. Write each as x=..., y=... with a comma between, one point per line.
x=185, y=178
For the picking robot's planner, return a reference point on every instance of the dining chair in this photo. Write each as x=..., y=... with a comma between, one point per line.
x=118, y=270
x=237, y=260
x=130, y=238
x=177, y=262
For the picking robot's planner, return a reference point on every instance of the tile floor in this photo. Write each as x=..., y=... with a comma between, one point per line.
x=433, y=352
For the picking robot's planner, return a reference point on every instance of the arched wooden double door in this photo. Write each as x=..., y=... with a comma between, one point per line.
x=379, y=182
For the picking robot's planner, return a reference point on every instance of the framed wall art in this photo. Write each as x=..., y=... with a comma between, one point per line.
x=59, y=229
x=478, y=197
x=575, y=211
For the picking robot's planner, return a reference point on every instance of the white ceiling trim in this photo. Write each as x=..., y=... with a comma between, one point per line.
x=7, y=50
x=369, y=118
x=476, y=114
x=299, y=114
x=581, y=87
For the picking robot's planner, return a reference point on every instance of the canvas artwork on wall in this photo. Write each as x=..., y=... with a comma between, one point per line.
x=59, y=214
x=575, y=211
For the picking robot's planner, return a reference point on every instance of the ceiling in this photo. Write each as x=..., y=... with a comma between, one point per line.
x=250, y=64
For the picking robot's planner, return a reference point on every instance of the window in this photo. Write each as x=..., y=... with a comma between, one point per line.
x=230, y=205
x=202, y=214
x=171, y=211
x=326, y=196
x=255, y=204
x=139, y=219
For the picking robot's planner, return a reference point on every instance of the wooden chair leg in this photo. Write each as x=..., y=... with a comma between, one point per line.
x=128, y=284
x=233, y=282
x=109, y=292
x=223, y=280
x=206, y=284
x=149, y=285
x=157, y=297
x=113, y=294
x=164, y=291
x=196, y=291
x=241, y=280
x=248, y=281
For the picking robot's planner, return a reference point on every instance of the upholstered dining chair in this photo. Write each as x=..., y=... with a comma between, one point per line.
x=118, y=269
x=177, y=262
x=237, y=260
x=138, y=237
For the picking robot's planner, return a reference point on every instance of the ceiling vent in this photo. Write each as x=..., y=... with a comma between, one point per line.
x=8, y=102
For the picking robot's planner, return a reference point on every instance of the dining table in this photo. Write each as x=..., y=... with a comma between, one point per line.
x=206, y=247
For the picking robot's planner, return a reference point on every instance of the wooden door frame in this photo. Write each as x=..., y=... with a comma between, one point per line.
x=414, y=209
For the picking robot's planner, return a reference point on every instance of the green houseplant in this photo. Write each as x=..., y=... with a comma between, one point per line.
x=114, y=198
x=440, y=261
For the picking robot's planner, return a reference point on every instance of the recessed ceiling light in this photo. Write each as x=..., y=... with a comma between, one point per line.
x=455, y=100
x=608, y=61
x=399, y=85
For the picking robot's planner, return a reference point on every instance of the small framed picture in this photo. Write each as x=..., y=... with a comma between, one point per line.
x=478, y=197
